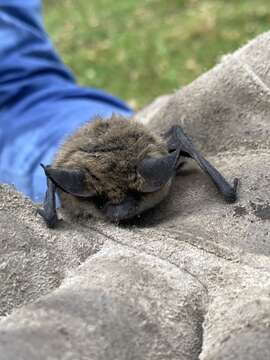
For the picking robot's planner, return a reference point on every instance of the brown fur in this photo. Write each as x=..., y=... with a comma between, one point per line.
x=108, y=152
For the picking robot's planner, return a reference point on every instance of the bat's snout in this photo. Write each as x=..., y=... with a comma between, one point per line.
x=123, y=211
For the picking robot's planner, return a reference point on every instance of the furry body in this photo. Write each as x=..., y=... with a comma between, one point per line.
x=116, y=169
x=108, y=152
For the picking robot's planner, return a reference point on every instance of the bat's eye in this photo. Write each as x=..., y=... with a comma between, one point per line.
x=100, y=201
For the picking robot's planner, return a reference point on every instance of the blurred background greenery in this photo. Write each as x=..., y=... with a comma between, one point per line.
x=139, y=49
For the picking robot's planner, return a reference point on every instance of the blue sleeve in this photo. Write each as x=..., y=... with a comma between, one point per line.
x=40, y=102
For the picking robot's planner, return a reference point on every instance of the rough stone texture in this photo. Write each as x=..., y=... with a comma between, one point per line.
x=189, y=279
x=33, y=260
x=119, y=305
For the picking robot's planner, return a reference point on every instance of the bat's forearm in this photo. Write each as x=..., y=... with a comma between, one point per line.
x=48, y=212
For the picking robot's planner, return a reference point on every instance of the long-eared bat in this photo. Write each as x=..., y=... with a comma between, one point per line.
x=116, y=169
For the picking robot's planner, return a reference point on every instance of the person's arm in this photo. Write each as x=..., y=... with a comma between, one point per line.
x=40, y=102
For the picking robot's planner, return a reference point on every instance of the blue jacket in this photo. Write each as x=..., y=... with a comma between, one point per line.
x=40, y=102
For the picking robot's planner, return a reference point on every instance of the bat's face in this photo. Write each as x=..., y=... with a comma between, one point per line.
x=113, y=169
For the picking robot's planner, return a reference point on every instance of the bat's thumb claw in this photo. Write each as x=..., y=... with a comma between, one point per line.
x=236, y=184
x=44, y=167
x=231, y=193
x=51, y=221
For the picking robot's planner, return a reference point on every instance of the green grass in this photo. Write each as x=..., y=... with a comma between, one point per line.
x=139, y=49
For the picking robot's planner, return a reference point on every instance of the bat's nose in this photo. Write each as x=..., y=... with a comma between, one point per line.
x=123, y=211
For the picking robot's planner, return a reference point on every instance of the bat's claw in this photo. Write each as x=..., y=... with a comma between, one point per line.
x=235, y=184
x=51, y=220
x=172, y=142
x=231, y=194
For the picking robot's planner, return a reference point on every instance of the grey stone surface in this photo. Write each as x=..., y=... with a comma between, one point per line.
x=119, y=305
x=188, y=280
x=33, y=260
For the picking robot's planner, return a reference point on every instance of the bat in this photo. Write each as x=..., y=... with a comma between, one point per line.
x=116, y=169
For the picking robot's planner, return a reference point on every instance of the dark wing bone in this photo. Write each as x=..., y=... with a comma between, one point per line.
x=49, y=207
x=179, y=140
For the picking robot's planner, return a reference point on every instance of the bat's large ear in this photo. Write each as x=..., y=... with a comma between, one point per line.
x=156, y=172
x=68, y=180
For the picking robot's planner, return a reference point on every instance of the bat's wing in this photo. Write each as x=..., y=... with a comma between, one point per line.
x=178, y=139
x=48, y=212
